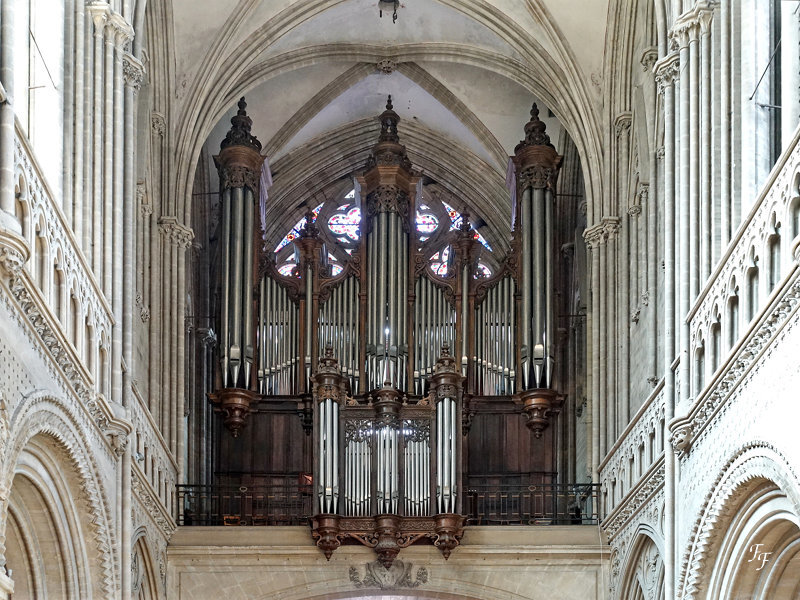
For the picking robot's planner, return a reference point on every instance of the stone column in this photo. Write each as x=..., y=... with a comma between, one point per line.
x=790, y=69
x=8, y=222
x=593, y=236
x=667, y=70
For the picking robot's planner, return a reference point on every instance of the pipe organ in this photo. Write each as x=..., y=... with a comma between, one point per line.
x=382, y=317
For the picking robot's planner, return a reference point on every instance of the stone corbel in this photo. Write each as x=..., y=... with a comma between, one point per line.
x=680, y=437
x=14, y=252
x=649, y=58
x=622, y=124
x=133, y=71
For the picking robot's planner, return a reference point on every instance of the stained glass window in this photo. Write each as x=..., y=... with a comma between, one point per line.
x=455, y=223
x=439, y=262
x=483, y=271
x=286, y=270
x=346, y=223
x=295, y=232
x=426, y=223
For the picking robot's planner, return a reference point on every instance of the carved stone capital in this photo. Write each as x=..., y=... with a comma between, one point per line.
x=178, y=234
x=120, y=31
x=100, y=11
x=667, y=71
x=610, y=227
x=158, y=124
x=14, y=252
x=133, y=71
x=649, y=58
x=622, y=124
x=594, y=236
x=635, y=210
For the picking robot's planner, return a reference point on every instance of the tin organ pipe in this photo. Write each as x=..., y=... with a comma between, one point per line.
x=309, y=312
x=248, y=285
x=335, y=460
x=465, y=276
x=392, y=293
x=548, y=285
x=262, y=337
x=439, y=449
x=527, y=349
x=226, y=279
x=235, y=352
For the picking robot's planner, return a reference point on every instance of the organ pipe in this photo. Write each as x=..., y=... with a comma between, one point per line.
x=328, y=391
x=446, y=384
x=239, y=164
x=536, y=163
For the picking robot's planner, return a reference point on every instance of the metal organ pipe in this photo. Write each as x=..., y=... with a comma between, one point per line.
x=226, y=244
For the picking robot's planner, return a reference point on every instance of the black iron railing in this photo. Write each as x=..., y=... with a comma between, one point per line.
x=290, y=503
x=543, y=504
x=286, y=503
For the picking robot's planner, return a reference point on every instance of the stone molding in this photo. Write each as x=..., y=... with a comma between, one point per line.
x=59, y=237
x=44, y=414
x=647, y=423
x=751, y=462
x=642, y=492
x=773, y=204
x=685, y=431
x=151, y=503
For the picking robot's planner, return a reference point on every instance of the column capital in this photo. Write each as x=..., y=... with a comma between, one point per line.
x=99, y=10
x=594, y=236
x=692, y=23
x=649, y=58
x=158, y=123
x=622, y=123
x=179, y=234
x=667, y=71
x=119, y=29
x=133, y=71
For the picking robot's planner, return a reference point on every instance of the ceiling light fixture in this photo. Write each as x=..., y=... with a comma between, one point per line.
x=387, y=5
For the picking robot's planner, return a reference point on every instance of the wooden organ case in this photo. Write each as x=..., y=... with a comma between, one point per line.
x=408, y=381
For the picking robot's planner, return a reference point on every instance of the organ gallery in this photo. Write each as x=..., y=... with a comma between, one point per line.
x=390, y=347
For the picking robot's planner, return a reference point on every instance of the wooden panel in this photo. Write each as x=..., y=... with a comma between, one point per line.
x=501, y=450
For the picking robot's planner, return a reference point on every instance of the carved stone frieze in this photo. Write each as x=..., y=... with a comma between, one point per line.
x=644, y=427
x=633, y=503
x=400, y=575
x=152, y=504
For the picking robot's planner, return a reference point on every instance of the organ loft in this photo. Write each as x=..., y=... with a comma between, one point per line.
x=385, y=372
